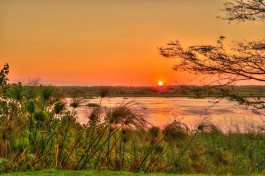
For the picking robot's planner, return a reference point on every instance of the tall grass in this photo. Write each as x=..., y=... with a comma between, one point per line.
x=38, y=131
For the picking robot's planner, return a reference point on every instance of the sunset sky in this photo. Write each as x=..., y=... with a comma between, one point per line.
x=108, y=42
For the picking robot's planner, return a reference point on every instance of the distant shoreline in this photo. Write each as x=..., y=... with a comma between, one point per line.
x=166, y=92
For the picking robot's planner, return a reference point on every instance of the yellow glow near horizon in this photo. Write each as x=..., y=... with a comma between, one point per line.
x=160, y=83
x=108, y=42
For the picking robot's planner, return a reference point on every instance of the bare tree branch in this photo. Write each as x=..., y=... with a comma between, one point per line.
x=245, y=10
x=246, y=59
x=242, y=62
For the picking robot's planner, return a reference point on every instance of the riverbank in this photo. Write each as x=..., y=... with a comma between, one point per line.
x=165, y=91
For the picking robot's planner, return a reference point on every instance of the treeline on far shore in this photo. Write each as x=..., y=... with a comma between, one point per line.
x=166, y=91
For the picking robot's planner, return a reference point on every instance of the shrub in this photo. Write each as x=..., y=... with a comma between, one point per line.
x=40, y=116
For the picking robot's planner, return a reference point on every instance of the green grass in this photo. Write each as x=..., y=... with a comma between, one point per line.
x=43, y=134
x=86, y=172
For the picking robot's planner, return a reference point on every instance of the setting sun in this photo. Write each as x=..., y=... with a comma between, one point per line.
x=160, y=83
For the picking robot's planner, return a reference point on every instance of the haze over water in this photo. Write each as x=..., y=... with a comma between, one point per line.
x=160, y=111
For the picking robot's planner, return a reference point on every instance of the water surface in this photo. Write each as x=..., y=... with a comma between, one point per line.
x=160, y=111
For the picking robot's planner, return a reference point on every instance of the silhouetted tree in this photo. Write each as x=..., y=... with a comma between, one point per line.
x=245, y=10
x=243, y=61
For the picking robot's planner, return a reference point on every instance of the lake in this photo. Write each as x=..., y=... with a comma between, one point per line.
x=159, y=111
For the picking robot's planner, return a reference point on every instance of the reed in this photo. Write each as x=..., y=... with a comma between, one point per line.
x=38, y=131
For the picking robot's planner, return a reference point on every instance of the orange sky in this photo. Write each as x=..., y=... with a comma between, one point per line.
x=107, y=42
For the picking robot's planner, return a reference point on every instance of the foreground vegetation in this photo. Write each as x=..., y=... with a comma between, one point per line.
x=39, y=131
x=88, y=173
x=96, y=173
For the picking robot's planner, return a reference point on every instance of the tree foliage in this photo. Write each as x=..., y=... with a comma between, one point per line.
x=245, y=10
x=3, y=76
x=244, y=60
